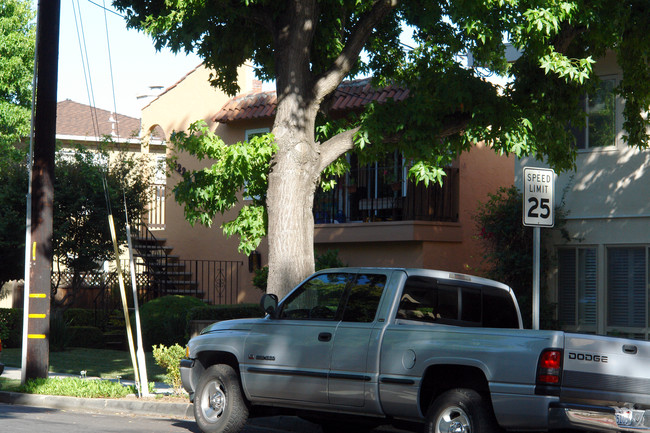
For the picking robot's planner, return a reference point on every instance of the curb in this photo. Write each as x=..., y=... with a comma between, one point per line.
x=101, y=405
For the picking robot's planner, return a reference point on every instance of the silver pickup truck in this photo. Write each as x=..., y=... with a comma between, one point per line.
x=352, y=348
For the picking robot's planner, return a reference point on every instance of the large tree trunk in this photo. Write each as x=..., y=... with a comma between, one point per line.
x=291, y=222
x=299, y=161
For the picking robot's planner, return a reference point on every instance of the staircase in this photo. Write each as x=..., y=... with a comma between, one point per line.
x=165, y=273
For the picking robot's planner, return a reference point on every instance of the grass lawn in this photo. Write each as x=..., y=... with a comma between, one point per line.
x=103, y=363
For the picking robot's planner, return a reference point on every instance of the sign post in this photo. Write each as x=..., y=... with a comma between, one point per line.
x=539, y=211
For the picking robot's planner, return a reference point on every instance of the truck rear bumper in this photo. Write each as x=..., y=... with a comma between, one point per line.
x=602, y=418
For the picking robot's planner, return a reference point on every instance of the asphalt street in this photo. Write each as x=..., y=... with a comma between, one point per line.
x=56, y=414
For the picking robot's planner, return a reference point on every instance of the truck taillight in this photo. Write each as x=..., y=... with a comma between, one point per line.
x=549, y=372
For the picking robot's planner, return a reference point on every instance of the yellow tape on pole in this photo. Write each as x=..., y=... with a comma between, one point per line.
x=125, y=307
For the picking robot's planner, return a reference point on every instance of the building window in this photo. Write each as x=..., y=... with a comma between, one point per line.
x=627, y=297
x=250, y=133
x=381, y=191
x=600, y=124
x=577, y=288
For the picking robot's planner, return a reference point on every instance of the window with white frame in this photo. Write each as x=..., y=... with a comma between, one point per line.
x=627, y=292
x=250, y=133
x=600, y=124
x=577, y=287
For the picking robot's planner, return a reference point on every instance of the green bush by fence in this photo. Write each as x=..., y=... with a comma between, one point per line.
x=79, y=317
x=11, y=327
x=89, y=337
x=222, y=312
x=164, y=320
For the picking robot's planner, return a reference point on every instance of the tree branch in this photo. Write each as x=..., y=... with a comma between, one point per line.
x=335, y=147
x=329, y=81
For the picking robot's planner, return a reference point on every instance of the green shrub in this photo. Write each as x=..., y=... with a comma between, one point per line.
x=11, y=327
x=90, y=337
x=169, y=358
x=217, y=313
x=79, y=317
x=225, y=312
x=329, y=259
x=164, y=320
x=59, y=337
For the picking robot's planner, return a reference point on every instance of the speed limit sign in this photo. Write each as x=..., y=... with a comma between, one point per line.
x=539, y=197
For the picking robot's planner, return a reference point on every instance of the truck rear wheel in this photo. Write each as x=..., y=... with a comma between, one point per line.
x=460, y=410
x=219, y=405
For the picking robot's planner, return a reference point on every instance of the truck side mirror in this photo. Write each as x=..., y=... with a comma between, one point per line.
x=269, y=304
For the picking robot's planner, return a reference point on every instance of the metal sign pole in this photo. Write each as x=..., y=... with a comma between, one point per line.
x=536, y=277
x=538, y=212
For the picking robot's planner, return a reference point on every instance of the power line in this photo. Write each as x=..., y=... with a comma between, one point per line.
x=110, y=68
x=86, y=67
x=107, y=9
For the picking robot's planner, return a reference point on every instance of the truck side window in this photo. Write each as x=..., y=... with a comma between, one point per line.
x=317, y=299
x=499, y=310
x=424, y=301
x=363, y=299
x=446, y=301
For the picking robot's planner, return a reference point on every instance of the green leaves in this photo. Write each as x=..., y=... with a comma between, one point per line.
x=239, y=172
x=572, y=70
x=17, y=42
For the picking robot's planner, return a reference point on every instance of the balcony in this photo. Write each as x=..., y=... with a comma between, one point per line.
x=381, y=193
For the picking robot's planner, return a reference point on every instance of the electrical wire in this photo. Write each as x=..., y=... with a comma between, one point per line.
x=110, y=68
x=86, y=66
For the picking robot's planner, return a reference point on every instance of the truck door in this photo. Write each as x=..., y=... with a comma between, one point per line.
x=289, y=357
x=350, y=368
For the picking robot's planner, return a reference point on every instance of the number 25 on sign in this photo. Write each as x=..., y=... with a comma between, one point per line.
x=539, y=197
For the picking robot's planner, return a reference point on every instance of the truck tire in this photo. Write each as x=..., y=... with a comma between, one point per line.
x=460, y=410
x=219, y=405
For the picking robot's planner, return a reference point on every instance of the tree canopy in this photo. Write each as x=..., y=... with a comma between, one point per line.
x=81, y=236
x=309, y=47
x=17, y=43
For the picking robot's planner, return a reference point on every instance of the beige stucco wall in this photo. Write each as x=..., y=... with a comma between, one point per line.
x=189, y=100
x=606, y=200
x=434, y=245
x=448, y=246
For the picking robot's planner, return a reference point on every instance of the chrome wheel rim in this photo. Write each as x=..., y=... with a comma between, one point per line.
x=214, y=402
x=453, y=420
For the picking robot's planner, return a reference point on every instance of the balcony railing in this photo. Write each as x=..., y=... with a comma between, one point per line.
x=376, y=194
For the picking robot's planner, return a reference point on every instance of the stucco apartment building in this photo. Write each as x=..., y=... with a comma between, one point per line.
x=599, y=279
x=375, y=216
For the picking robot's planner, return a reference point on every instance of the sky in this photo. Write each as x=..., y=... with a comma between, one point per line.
x=136, y=64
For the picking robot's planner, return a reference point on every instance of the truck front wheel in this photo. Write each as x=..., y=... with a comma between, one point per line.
x=460, y=411
x=219, y=405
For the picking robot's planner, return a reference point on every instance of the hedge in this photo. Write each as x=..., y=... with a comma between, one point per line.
x=223, y=312
x=90, y=337
x=11, y=327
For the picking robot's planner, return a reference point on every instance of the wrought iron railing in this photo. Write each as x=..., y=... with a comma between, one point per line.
x=382, y=194
x=217, y=281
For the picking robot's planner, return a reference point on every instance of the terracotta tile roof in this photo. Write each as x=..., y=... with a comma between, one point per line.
x=350, y=96
x=75, y=119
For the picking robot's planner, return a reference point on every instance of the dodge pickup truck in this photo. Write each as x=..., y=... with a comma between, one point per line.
x=352, y=348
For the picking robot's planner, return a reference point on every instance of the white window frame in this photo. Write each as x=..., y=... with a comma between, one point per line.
x=579, y=323
x=617, y=119
x=630, y=331
x=247, y=134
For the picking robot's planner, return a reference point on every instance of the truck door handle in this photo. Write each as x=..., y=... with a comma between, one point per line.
x=324, y=336
x=630, y=348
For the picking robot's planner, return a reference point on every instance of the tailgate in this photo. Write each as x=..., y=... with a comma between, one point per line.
x=606, y=369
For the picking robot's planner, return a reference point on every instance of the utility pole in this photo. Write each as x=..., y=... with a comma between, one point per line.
x=36, y=352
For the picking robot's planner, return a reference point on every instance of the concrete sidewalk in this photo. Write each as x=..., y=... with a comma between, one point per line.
x=148, y=406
